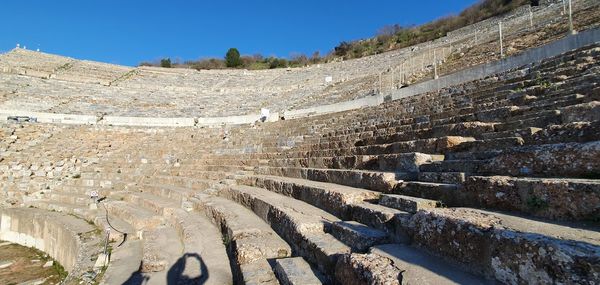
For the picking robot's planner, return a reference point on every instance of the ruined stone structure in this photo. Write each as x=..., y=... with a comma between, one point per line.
x=491, y=180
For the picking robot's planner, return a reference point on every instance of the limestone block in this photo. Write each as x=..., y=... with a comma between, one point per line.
x=295, y=271
x=586, y=112
x=363, y=269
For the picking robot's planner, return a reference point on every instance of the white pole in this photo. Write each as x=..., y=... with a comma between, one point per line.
x=571, y=28
x=501, y=46
x=402, y=74
x=379, y=83
x=435, y=74
x=392, y=79
x=530, y=17
x=564, y=7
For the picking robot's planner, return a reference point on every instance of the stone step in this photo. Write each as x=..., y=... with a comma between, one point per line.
x=372, y=180
x=329, y=197
x=125, y=262
x=161, y=250
x=448, y=194
x=250, y=241
x=507, y=242
x=70, y=198
x=401, y=162
x=553, y=198
x=347, y=203
x=356, y=235
x=419, y=267
x=206, y=259
x=301, y=225
x=203, y=245
x=466, y=166
x=546, y=160
x=67, y=208
x=138, y=217
x=407, y=203
x=442, y=177
x=295, y=271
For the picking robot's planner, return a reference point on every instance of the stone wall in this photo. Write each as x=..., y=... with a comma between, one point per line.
x=46, y=232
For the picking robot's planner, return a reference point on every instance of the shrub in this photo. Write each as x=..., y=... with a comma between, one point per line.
x=165, y=62
x=342, y=49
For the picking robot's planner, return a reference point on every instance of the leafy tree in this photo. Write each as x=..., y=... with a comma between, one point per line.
x=232, y=58
x=165, y=62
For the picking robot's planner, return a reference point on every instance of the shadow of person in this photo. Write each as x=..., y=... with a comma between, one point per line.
x=137, y=278
x=176, y=275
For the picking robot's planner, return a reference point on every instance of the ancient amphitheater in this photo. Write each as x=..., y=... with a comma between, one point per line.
x=366, y=171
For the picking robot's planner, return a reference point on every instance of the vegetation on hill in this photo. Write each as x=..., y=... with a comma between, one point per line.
x=232, y=58
x=387, y=38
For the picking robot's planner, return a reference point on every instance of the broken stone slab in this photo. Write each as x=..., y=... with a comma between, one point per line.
x=585, y=112
x=363, y=269
x=571, y=132
x=468, y=129
x=509, y=248
x=258, y=272
x=407, y=203
x=562, y=199
x=5, y=264
x=405, y=162
x=295, y=271
x=356, y=235
x=547, y=160
x=442, y=177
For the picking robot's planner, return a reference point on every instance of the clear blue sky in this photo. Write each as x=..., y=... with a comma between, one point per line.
x=129, y=31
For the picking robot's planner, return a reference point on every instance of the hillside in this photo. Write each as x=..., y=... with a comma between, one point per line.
x=386, y=39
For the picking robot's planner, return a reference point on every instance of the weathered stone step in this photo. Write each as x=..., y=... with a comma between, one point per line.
x=546, y=160
x=463, y=234
x=295, y=271
x=345, y=202
x=401, y=162
x=161, y=250
x=407, y=203
x=329, y=197
x=448, y=194
x=419, y=267
x=124, y=263
x=67, y=208
x=356, y=235
x=465, y=166
x=138, y=217
x=372, y=180
x=301, y=225
x=553, y=198
x=249, y=239
x=206, y=242
x=70, y=198
x=442, y=177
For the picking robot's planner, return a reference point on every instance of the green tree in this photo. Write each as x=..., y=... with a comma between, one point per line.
x=165, y=62
x=232, y=58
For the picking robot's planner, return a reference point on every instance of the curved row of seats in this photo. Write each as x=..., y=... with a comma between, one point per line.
x=491, y=181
